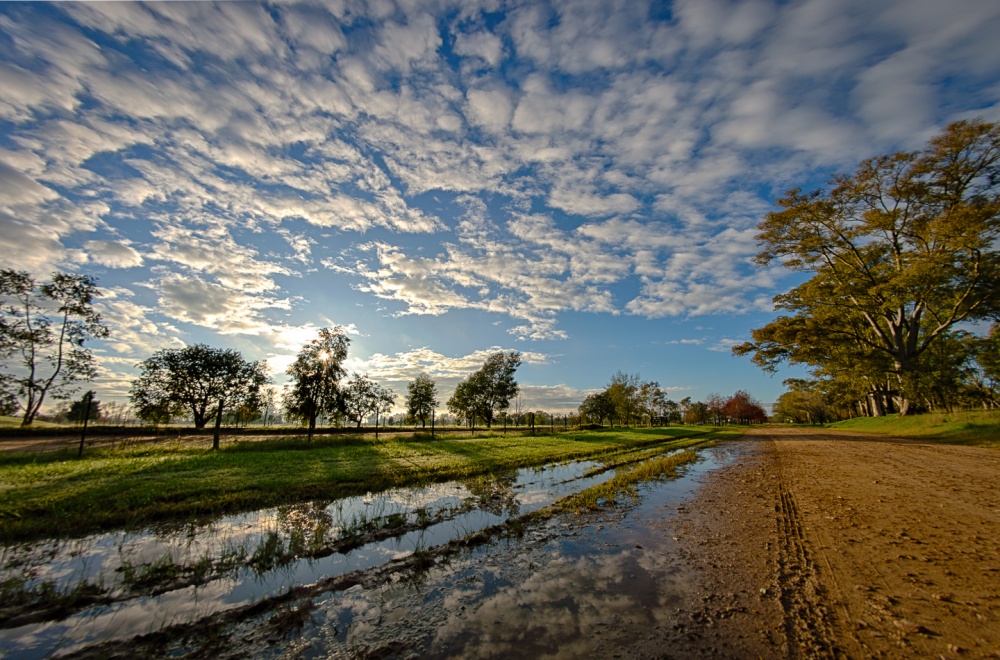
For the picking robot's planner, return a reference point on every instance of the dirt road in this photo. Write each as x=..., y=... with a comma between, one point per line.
x=819, y=544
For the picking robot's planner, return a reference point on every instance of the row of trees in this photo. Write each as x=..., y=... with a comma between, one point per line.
x=43, y=327
x=205, y=383
x=902, y=256
x=628, y=399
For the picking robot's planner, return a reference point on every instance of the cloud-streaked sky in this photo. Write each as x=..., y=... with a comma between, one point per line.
x=579, y=181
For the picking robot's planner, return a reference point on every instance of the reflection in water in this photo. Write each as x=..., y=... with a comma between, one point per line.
x=589, y=590
x=240, y=559
x=550, y=590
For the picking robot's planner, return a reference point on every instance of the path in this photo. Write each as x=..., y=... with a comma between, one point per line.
x=871, y=547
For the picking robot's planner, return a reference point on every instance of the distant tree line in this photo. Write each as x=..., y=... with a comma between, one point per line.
x=903, y=257
x=43, y=328
x=628, y=400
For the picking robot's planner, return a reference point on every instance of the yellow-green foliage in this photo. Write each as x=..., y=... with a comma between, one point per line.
x=978, y=428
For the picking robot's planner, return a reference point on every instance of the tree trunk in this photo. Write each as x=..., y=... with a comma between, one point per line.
x=218, y=425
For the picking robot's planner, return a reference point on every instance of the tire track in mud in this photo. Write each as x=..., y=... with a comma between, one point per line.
x=809, y=627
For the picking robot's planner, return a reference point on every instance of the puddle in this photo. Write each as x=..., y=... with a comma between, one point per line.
x=574, y=586
x=566, y=590
x=452, y=509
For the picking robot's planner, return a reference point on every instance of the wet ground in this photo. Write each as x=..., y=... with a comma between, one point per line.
x=347, y=562
x=786, y=543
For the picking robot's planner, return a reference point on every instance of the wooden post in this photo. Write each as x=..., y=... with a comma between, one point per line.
x=86, y=417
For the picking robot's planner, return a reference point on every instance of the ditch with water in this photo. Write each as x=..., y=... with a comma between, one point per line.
x=389, y=574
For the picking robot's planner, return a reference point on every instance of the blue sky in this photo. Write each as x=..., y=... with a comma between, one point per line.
x=578, y=181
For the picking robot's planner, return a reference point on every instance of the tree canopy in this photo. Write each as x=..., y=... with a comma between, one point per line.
x=899, y=253
x=86, y=407
x=421, y=398
x=489, y=390
x=316, y=373
x=43, y=328
x=200, y=380
x=363, y=398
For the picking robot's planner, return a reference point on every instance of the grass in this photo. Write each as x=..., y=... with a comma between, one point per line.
x=54, y=494
x=624, y=482
x=973, y=428
x=8, y=422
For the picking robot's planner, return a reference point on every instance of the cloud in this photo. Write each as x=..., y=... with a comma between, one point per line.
x=568, y=158
x=210, y=305
x=484, y=45
x=113, y=254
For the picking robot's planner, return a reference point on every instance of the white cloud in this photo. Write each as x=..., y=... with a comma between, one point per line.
x=114, y=254
x=484, y=45
x=210, y=305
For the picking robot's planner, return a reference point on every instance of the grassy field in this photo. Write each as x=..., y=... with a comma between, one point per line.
x=54, y=494
x=8, y=422
x=980, y=428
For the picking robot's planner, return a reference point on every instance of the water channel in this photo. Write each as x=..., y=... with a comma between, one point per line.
x=402, y=522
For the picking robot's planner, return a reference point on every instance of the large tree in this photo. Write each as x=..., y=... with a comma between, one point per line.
x=623, y=390
x=899, y=253
x=363, y=398
x=493, y=386
x=85, y=408
x=43, y=328
x=316, y=373
x=598, y=407
x=200, y=380
x=421, y=398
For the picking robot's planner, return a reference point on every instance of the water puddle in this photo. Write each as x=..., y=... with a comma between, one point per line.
x=586, y=587
x=177, y=575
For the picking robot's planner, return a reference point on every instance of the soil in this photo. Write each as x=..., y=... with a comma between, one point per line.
x=824, y=544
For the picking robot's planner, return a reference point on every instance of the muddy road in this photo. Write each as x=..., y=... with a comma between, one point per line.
x=879, y=547
x=786, y=542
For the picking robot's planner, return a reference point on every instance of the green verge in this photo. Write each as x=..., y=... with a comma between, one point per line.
x=45, y=495
x=973, y=428
x=8, y=422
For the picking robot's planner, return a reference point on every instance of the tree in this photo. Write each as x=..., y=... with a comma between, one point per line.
x=900, y=253
x=695, y=412
x=489, y=390
x=742, y=408
x=421, y=398
x=598, y=407
x=43, y=329
x=316, y=373
x=716, y=406
x=9, y=405
x=200, y=380
x=804, y=402
x=86, y=407
x=364, y=397
x=623, y=391
x=462, y=404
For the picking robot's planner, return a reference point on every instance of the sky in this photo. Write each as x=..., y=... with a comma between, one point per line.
x=578, y=181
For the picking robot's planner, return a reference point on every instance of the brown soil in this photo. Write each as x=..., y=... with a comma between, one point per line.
x=824, y=544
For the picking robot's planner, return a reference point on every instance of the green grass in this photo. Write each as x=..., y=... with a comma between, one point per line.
x=979, y=428
x=54, y=494
x=8, y=422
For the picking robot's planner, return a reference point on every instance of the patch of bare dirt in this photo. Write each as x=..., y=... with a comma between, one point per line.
x=821, y=544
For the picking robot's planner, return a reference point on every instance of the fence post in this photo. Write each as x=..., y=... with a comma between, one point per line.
x=86, y=417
